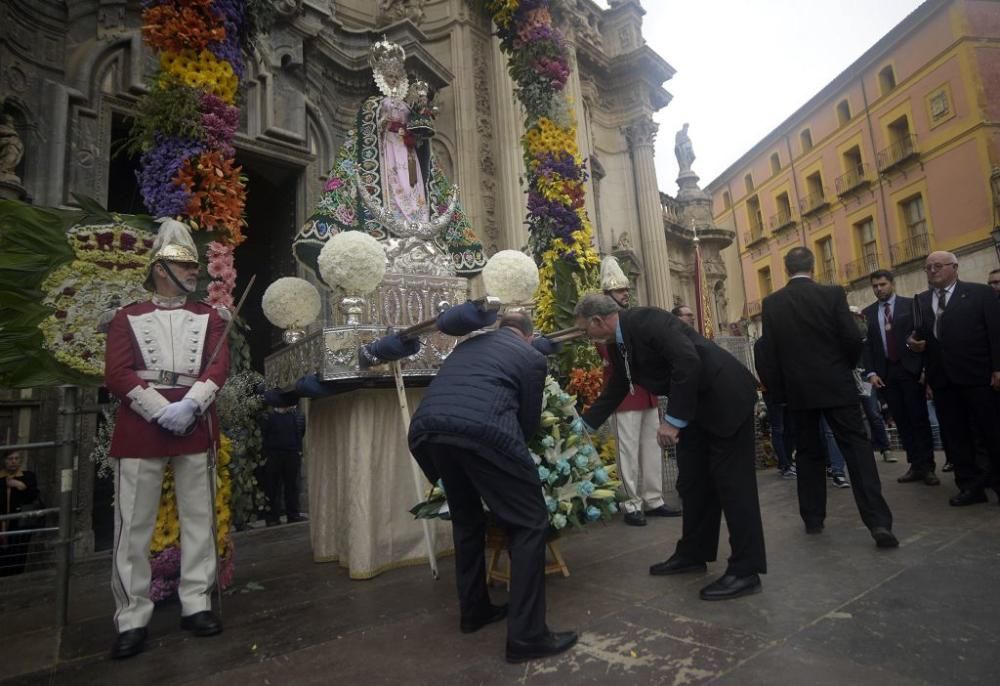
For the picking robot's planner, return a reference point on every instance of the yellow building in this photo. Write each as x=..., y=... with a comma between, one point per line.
x=891, y=160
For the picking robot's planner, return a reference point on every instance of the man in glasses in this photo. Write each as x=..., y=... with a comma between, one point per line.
x=709, y=417
x=957, y=327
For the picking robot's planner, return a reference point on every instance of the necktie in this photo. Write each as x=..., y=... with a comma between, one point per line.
x=939, y=315
x=891, y=346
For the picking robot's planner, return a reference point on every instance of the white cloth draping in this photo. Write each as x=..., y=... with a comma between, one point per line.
x=361, y=484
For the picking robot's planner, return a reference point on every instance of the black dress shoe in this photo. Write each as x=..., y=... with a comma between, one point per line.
x=912, y=475
x=676, y=565
x=551, y=643
x=884, y=538
x=731, y=586
x=968, y=498
x=664, y=511
x=635, y=519
x=814, y=527
x=203, y=623
x=129, y=643
x=931, y=479
x=470, y=625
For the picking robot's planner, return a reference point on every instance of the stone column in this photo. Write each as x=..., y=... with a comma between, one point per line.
x=512, y=202
x=641, y=134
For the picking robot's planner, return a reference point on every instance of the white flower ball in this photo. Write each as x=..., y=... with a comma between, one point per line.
x=511, y=276
x=291, y=303
x=353, y=261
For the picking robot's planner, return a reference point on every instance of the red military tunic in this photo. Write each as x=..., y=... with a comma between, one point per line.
x=641, y=400
x=146, y=338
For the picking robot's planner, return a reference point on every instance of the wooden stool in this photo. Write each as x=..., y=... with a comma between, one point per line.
x=497, y=543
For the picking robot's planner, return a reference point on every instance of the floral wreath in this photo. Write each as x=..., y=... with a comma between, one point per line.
x=108, y=270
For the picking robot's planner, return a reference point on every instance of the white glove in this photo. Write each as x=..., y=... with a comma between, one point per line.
x=178, y=416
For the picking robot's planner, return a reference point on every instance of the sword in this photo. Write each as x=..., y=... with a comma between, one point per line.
x=212, y=448
x=229, y=324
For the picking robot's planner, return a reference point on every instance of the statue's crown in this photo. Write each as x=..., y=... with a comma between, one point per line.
x=383, y=53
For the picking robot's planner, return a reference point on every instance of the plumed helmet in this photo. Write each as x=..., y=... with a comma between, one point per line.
x=612, y=276
x=173, y=243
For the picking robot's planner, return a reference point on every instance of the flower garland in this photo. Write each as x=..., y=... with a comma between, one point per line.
x=561, y=233
x=188, y=119
x=165, y=548
x=184, y=132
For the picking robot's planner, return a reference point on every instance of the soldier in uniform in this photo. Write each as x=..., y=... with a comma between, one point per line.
x=637, y=418
x=159, y=364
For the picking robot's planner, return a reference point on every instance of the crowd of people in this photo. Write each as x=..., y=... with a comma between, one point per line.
x=817, y=363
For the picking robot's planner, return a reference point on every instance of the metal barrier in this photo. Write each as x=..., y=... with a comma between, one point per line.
x=27, y=544
x=25, y=547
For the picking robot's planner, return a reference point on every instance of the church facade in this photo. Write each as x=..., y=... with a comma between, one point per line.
x=71, y=74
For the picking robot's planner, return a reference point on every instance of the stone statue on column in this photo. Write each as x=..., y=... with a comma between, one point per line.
x=684, y=150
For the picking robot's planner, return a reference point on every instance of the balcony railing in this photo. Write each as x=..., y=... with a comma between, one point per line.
x=900, y=151
x=753, y=236
x=913, y=248
x=786, y=237
x=854, y=178
x=813, y=202
x=671, y=208
x=753, y=308
x=827, y=275
x=859, y=269
x=781, y=219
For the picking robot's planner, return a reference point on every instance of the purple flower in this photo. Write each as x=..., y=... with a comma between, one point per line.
x=219, y=121
x=232, y=13
x=157, y=169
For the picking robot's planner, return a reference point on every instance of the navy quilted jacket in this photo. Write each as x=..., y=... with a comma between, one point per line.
x=486, y=397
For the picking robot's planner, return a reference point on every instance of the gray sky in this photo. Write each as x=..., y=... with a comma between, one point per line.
x=743, y=66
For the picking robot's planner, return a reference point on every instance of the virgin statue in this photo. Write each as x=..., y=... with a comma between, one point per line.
x=386, y=181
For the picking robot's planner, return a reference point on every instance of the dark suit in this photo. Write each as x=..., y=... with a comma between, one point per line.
x=903, y=390
x=958, y=367
x=814, y=345
x=715, y=394
x=471, y=429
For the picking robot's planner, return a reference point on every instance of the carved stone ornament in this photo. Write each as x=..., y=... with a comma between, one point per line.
x=11, y=150
x=624, y=242
x=642, y=132
x=391, y=11
x=288, y=8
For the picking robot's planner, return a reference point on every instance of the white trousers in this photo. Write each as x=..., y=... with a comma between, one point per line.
x=640, y=459
x=137, y=499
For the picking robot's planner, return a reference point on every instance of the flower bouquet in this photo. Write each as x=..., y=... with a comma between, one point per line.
x=575, y=483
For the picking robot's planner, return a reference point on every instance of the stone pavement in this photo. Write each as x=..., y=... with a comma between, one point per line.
x=835, y=610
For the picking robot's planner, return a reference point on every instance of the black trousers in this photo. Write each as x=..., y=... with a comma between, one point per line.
x=908, y=407
x=715, y=476
x=966, y=413
x=519, y=508
x=848, y=429
x=281, y=475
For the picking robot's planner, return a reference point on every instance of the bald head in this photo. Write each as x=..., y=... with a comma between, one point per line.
x=941, y=268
